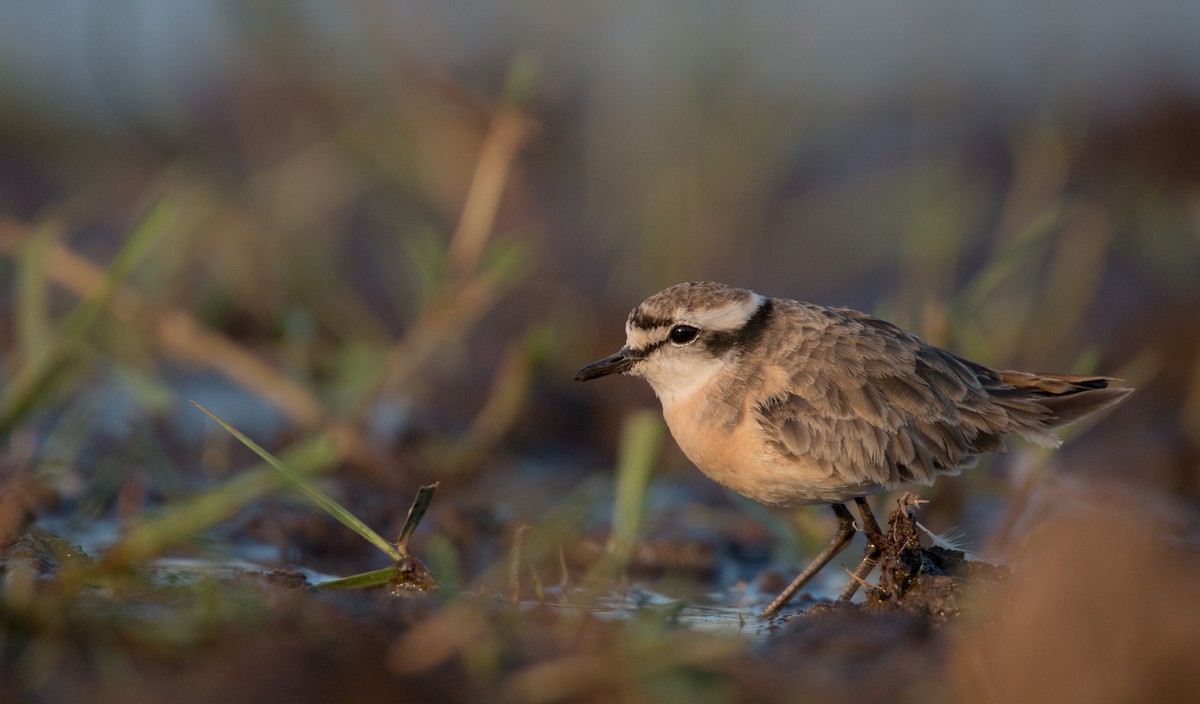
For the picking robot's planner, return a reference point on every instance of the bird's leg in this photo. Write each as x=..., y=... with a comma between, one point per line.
x=870, y=557
x=841, y=539
x=870, y=525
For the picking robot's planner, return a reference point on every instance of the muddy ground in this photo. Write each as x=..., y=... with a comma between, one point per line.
x=1100, y=608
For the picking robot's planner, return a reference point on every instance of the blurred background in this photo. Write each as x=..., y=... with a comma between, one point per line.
x=409, y=223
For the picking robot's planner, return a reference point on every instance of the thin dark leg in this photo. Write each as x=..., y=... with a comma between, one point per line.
x=870, y=525
x=870, y=557
x=841, y=539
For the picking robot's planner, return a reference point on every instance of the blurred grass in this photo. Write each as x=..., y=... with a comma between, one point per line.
x=637, y=454
x=404, y=257
x=469, y=280
x=52, y=353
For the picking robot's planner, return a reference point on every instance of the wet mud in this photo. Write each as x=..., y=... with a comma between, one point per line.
x=208, y=637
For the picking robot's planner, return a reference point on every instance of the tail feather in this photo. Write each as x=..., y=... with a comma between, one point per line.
x=1065, y=397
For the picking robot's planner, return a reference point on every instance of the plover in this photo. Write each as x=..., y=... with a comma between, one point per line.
x=791, y=403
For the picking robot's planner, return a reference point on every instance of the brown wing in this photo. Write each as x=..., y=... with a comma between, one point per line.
x=874, y=404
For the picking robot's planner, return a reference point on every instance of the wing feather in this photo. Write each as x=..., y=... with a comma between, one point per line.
x=878, y=405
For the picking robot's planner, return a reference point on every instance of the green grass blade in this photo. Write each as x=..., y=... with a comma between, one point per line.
x=320, y=498
x=366, y=580
x=641, y=440
x=407, y=577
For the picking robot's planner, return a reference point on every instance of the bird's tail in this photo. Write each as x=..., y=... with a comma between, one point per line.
x=1038, y=403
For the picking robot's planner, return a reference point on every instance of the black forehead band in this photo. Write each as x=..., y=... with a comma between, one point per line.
x=718, y=343
x=640, y=319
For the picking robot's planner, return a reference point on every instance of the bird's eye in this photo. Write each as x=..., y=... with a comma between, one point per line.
x=683, y=334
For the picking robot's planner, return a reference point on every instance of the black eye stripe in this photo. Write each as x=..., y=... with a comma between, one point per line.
x=645, y=351
x=714, y=342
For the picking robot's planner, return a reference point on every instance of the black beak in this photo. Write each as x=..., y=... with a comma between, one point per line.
x=612, y=364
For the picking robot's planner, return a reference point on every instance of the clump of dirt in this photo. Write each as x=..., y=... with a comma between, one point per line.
x=929, y=581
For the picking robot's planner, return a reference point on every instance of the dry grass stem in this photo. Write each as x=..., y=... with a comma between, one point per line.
x=180, y=335
x=497, y=155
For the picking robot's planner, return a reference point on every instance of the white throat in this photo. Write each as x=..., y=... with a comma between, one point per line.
x=675, y=380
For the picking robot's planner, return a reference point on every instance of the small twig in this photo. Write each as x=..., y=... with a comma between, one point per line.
x=861, y=582
x=910, y=500
x=538, y=589
x=565, y=573
x=514, y=565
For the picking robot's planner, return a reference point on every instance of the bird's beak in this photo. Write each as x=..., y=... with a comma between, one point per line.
x=613, y=364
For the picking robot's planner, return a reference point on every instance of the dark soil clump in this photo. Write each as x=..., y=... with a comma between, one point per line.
x=931, y=581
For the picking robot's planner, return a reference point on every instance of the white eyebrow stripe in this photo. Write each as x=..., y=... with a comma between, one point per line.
x=727, y=317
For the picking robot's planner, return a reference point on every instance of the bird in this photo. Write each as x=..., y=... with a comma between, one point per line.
x=791, y=403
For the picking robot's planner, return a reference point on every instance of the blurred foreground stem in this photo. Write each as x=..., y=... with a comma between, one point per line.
x=36, y=376
x=177, y=332
x=470, y=285
x=641, y=440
